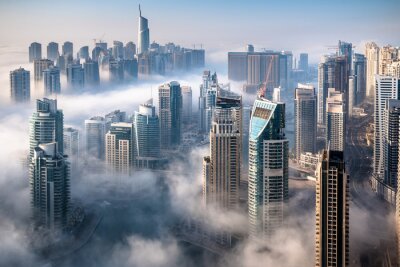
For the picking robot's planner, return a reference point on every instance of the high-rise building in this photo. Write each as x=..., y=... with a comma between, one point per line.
x=95, y=130
x=35, y=52
x=346, y=49
x=130, y=69
x=46, y=125
x=71, y=142
x=51, y=78
x=387, y=55
x=237, y=66
x=332, y=211
x=386, y=87
x=20, y=85
x=391, y=118
x=186, y=104
x=75, y=75
x=118, y=50
x=263, y=68
x=143, y=34
x=129, y=51
x=52, y=51
x=335, y=121
x=170, y=110
x=372, y=57
x=116, y=68
x=83, y=53
x=246, y=114
x=96, y=53
x=119, y=147
x=223, y=178
x=305, y=112
x=207, y=100
x=303, y=62
x=68, y=49
x=114, y=117
x=268, y=185
x=359, y=74
x=91, y=73
x=147, y=137
x=72, y=146
x=49, y=186
x=39, y=66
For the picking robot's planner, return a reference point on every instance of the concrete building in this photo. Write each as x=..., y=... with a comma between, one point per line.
x=335, y=121
x=372, y=67
x=75, y=75
x=72, y=147
x=147, y=137
x=118, y=50
x=52, y=51
x=119, y=148
x=20, y=85
x=51, y=78
x=95, y=130
x=186, y=104
x=222, y=179
x=49, y=187
x=143, y=34
x=46, y=125
x=305, y=112
x=359, y=72
x=116, y=71
x=268, y=184
x=91, y=73
x=386, y=87
x=130, y=69
x=68, y=49
x=35, y=52
x=332, y=211
x=237, y=66
x=170, y=112
x=83, y=53
x=39, y=66
x=129, y=51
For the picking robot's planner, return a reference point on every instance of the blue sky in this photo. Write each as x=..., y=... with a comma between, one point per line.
x=219, y=25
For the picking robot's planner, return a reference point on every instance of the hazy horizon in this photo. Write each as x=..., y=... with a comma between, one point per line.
x=219, y=27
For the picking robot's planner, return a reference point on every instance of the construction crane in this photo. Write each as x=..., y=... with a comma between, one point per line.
x=263, y=87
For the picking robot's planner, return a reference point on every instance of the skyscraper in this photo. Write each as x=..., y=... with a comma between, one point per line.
x=46, y=125
x=71, y=143
x=68, y=49
x=51, y=78
x=147, y=137
x=332, y=211
x=386, y=87
x=359, y=73
x=91, y=73
x=49, y=186
x=84, y=53
x=39, y=66
x=186, y=104
x=75, y=75
x=223, y=177
x=130, y=69
x=303, y=62
x=335, y=121
x=143, y=34
x=391, y=118
x=35, y=51
x=170, y=110
x=118, y=50
x=20, y=87
x=237, y=66
x=268, y=168
x=95, y=130
x=129, y=51
x=116, y=68
x=305, y=112
x=52, y=51
x=119, y=147
x=372, y=56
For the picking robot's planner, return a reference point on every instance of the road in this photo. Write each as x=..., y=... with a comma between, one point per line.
x=371, y=219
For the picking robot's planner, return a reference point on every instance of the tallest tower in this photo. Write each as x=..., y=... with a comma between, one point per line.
x=143, y=34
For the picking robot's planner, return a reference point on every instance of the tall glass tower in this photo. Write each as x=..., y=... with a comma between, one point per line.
x=268, y=168
x=46, y=125
x=143, y=34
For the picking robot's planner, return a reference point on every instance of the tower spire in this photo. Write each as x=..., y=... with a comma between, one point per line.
x=140, y=11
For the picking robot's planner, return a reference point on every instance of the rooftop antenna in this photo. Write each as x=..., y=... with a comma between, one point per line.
x=140, y=11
